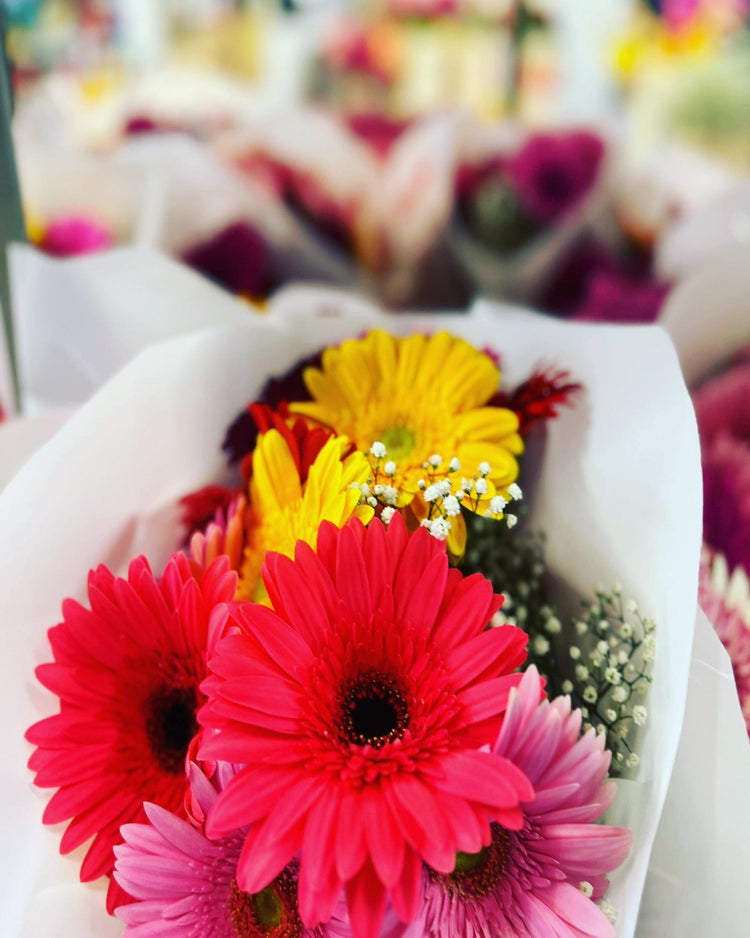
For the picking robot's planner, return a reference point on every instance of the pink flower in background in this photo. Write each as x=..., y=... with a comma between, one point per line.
x=360, y=704
x=678, y=13
x=722, y=408
x=185, y=884
x=75, y=234
x=550, y=174
x=726, y=602
x=543, y=878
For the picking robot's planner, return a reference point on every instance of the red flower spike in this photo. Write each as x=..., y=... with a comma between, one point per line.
x=539, y=397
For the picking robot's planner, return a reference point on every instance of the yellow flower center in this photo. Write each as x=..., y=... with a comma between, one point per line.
x=399, y=442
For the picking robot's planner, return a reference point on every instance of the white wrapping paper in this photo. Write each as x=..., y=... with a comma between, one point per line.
x=78, y=321
x=21, y=437
x=618, y=496
x=697, y=882
x=708, y=313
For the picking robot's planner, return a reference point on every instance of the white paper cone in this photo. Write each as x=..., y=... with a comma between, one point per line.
x=707, y=314
x=618, y=496
x=21, y=437
x=80, y=320
x=697, y=882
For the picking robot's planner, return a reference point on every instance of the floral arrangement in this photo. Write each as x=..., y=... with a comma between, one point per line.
x=343, y=708
x=508, y=200
x=722, y=413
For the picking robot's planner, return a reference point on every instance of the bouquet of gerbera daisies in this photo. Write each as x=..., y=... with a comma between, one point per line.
x=316, y=718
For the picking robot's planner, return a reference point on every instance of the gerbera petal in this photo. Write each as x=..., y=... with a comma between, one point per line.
x=365, y=897
x=384, y=839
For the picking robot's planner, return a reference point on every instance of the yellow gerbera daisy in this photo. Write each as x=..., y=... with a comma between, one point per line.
x=419, y=396
x=283, y=510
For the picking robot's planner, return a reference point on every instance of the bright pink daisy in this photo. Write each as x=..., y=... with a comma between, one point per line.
x=186, y=884
x=128, y=673
x=75, y=234
x=358, y=704
x=535, y=881
x=725, y=600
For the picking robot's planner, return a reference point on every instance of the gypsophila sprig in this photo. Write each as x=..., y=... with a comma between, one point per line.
x=607, y=671
x=514, y=563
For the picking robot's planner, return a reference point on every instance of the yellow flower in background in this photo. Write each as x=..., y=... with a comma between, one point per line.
x=283, y=509
x=425, y=400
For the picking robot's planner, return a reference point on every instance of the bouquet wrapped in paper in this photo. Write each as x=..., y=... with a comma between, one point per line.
x=521, y=200
x=371, y=213
x=360, y=698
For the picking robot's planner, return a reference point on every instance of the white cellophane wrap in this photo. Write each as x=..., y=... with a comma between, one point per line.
x=618, y=494
x=21, y=437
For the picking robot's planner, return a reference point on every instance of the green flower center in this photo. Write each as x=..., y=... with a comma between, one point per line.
x=268, y=908
x=465, y=862
x=270, y=913
x=399, y=442
x=477, y=874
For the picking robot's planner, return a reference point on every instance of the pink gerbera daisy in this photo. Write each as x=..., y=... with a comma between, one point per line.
x=128, y=673
x=725, y=600
x=359, y=704
x=186, y=884
x=543, y=878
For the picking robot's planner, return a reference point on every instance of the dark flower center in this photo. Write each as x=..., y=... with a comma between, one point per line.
x=373, y=711
x=477, y=874
x=271, y=913
x=171, y=725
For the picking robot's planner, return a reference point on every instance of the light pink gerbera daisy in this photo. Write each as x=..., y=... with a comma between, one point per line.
x=186, y=884
x=359, y=704
x=536, y=881
x=725, y=600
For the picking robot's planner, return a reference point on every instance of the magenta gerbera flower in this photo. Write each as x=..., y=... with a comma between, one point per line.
x=359, y=704
x=186, y=884
x=722, y=407
x=75, y=234
x=128, y=673
x=725, y=600
x=542, y=879
x=551, y=174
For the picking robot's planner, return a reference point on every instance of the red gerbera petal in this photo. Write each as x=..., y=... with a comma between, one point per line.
x=128, y=673
x=359, y=720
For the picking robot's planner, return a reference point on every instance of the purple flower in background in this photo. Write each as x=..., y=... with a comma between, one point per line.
x=594, y=284
x=722, y=407
x=551, y=174
x=612, y=297
x=75, y=234
x=238, y=258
